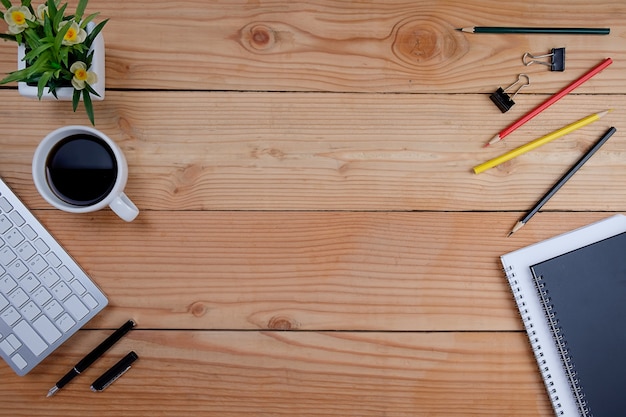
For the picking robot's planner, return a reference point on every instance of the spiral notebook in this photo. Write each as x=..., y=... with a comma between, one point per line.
x=571, y=293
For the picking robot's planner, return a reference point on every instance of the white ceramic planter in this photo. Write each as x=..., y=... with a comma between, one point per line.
x=66, y=93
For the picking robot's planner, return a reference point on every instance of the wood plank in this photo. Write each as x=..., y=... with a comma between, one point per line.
x=277, y=151
x=384, y=46
x=304, y=270
x=292, y=373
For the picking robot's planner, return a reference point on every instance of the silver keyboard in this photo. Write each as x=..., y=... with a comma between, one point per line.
x=45, y=297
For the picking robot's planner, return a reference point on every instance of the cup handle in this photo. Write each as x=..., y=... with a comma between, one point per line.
x=123, y=207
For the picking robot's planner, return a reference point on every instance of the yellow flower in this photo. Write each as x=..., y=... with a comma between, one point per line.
x=74, y=34
x=17, y=18
x=82, y=76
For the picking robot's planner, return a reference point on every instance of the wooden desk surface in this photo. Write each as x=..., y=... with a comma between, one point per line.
x=312, y=241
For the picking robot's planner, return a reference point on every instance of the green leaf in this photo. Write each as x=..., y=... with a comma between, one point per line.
x=96, y=30
x=91, y=90
x=88, y=106
x=6, y=3
x=60, y=35
x=75, y=99
x=59, y=17
x=37, y=51
x=80, y=10
x=85, y=21
x=52, y=9
x=7, y=37
x=47, y=27
x=43, y=81
x=26, y=3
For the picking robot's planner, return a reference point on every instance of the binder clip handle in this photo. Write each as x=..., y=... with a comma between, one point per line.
x=556, y=55
x=505, y=101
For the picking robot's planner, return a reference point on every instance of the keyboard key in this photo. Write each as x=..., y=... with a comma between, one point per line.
x=76, y=307
x=77, y=287
x=14, y=237
x=7, y=256
x=29, y=283
x=17, y=219
x=13, y=341
x=17, y=269
x=37, y=264
x=41, y=246
x=5, y=205
x=53, y=259
x=49, y=277
x=3, y=303
x=6, y=347
x=19, y=361
x=18, y=297
x=61, y=290
x=5, y=224
x=26, y=251
x=65, y=322
x=90, y=301
x=29, y=232
x=30, y=338
x=7, y=284
x=10, y=316
x=53, y=309
x=30, y=310
x=66, y=273
x=41, y=296
x=45, y=328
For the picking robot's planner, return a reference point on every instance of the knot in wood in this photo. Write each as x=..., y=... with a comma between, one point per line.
x=198, y=309
x=428, y=42
x=282, y=323
x=259, y=37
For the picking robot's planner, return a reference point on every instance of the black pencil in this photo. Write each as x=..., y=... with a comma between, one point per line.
x=563, y=180
x=537, y=30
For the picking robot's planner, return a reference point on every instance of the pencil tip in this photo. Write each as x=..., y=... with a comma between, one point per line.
x=517, y=226
x=604, y=113
x=52, y=391
x=495, y=139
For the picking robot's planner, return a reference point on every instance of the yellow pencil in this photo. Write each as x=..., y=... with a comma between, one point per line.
x=538, y=142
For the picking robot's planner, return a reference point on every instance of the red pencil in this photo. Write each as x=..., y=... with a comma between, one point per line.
x=550, y=101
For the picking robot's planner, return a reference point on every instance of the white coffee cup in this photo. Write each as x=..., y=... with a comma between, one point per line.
x=75, y=146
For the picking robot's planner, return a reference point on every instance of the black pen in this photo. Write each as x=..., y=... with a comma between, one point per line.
x=92, y=356
x=114, y=373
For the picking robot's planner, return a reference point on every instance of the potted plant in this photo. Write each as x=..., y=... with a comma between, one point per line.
x=59, y=55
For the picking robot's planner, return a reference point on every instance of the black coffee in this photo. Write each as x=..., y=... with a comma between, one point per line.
x=81, y=169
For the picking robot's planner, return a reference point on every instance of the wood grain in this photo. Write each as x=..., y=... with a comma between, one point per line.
x=276, y=151
x=390, y=46
x=294, y=373
x=305, y=271
x=312, y=240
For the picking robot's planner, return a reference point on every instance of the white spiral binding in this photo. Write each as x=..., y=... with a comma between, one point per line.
x=532, y=337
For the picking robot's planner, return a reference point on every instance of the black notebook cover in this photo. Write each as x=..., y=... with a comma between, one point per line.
x=583, y=293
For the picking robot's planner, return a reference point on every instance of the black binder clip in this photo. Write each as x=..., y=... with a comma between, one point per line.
x=503, y=100
x=557, y=59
